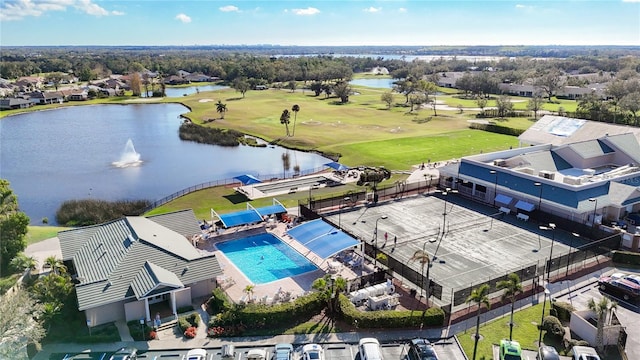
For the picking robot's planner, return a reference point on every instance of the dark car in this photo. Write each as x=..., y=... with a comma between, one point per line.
x=125, y=353
x=421, y=349
x=548, y=353
x=621, y=288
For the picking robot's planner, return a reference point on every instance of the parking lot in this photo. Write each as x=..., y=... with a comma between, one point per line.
x=446, y=349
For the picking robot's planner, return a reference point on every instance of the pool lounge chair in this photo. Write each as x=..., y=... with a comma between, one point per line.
x=356, y=263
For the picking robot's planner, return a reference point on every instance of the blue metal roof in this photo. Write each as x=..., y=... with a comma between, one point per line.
x=321, y=238
x=247, y=179
x=240, y=218
x=273, y=209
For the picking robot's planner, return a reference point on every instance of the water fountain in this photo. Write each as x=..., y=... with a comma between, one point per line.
x=129, y=156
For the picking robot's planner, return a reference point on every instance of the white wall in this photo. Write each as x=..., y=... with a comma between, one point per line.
x=183, y=297
x=105, y=314
x=203, y=288
x=581, y=327
x=135, y=310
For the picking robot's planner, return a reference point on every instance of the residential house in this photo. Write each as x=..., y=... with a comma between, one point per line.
x=123, y=267
x=200, y=78
x=380, y=70
x=46, y=97
x=576, y=92
x=78, y=95
x=15, y=103
x=183, y=74
x=448, y=79
x=175, y=80
x=517, y=89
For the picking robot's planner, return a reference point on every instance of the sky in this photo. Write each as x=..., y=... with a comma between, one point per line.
x=319, y=22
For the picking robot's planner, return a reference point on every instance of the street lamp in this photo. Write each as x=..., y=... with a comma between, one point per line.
x=340, y=210
x=544, y=304
x=539, y=195
x=551, y=227
x=569, y=255
x=495, y=186
x=595, y=208
x=444, y=213
x=144, y=336
x=375, y=233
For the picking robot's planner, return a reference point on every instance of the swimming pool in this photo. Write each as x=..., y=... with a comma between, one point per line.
x=264, y=258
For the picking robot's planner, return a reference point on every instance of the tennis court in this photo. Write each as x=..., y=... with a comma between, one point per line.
x=471, y=248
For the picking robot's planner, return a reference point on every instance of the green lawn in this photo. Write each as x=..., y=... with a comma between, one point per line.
x=525, y=332
x=39, y=233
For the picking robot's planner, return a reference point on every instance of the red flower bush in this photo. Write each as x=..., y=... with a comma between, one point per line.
x=215, y=331
x=191, y=332
x=153, y=335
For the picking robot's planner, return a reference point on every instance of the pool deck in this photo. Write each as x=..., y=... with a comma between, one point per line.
x=234, y=281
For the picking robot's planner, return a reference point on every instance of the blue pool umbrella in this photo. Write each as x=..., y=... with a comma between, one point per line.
x=247, y=179
x=337, y=166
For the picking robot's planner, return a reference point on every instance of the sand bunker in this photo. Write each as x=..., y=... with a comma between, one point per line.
x=205, y=100
x=311, y=122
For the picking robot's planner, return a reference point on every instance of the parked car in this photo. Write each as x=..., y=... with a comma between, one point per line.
x=546, y=352
x=256, y=354
x=125, y=353
x=369, y=349
x=621, y=288
x=584, y=353
x=421, y=349
x=633, y=278
x=284, y=352
x=510, y=350
x=197, y=354
x=312, y=352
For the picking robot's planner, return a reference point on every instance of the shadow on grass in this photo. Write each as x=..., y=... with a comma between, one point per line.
x=236, y=198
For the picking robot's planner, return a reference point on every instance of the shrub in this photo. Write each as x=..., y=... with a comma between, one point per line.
x=218, y=302
x=626, y=257
x=215, y=331
x=211, y=136
x=552, y=325
x=184, y=309
x=187, y=321
x=191, y=332
x=391, y=318
x=92, y=211
x=563, y=310
x=152, y=335
x=575, y=342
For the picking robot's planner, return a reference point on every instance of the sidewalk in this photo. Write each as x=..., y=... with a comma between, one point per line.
x=384, y=335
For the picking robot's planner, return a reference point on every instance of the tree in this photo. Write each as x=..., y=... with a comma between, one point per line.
x=512, y=287
x=316, y=87
x=13, y=226
x=631, y=103
x=330, y=288
x=18, y=323
x=424, y=259
x=221, y=108
x=480, y=296
x=481, y=102
x=285, y=120
x=535, y=104
x=241, y=85
x=550, y=82
x=23, y=262
x=405, y=87
x=135, y=83
x=286, y=163
x=292, y=85
x=295, y=108
x=56, y=265
x=342, y=90
x=249, y=291
x=387, y=98
x=504, y=105
x=601, y=309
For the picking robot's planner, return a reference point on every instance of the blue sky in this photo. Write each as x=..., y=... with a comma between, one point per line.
x=319, y=22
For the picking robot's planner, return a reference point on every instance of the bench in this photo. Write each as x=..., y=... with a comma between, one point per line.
x=293, y=190
x=523, y=217
x=505, y=210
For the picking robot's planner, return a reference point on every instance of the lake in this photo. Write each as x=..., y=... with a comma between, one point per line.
x=63, y=154
x=188, y=90
x=382, y=83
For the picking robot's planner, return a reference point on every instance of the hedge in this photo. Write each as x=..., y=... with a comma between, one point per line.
x=497, y=129
x=258, y=314
x=563, y=310
x=389, y=318
x=626, y=257
x=187, y=321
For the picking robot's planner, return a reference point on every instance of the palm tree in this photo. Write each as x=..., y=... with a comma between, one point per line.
x=330, y=288
x=221, y=108
x=512, y=287
x=285, y=119
x=249, y=290
x=479, y=296
x=424, y=259
x=23, y=262
x=56, y=265
x=601, y=309
x=295, y=108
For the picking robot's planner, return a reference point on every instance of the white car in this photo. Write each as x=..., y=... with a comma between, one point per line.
x=633, y=278
x=256, y=354
x=284, y=352
x=369, y=349
x=312, y=352
x=197, y=354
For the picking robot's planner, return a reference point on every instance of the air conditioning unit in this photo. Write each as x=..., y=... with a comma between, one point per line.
x=572, y=180
x=589, y=172
x=527, y=170
x=500, y=162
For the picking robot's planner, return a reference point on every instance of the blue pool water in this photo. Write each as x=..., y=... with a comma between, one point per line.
x=265, y=258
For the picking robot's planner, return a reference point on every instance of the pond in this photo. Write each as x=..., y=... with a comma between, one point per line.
x=188, y=90
x=382, y=83
x=69, y=153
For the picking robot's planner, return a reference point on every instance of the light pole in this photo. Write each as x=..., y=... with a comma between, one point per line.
x=595, y=208
x=144, y=337
x=495, y=186
x=539, y=195
x=310, y=188
x=566, y=273
x=444, y=213
x=551, y=227
x=544, y=304
x=340, y=210
x=375, y=234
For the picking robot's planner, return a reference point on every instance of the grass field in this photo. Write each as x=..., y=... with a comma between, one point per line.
x=39, y=233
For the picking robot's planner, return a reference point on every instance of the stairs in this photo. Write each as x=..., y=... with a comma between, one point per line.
x=167, y=325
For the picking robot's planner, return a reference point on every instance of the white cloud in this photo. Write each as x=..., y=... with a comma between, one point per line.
x=631, y=1
x=402, y=10
x=307, y=11
x=373, y=9
x=117, y=13
x=19, y=9
x=520, y=6
x=184, y=18
x=229, y=8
